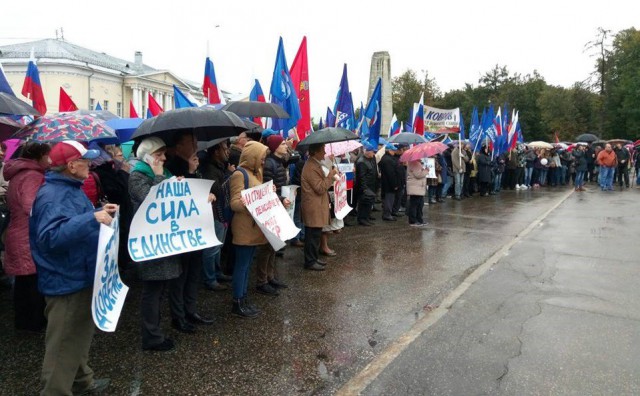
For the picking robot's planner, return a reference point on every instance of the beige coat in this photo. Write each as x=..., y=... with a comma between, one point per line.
x=315, y=199
x=416, y=179
x=457, y=162
x=245, y=230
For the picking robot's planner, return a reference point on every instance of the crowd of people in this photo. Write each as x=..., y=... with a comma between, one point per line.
x=57, y=196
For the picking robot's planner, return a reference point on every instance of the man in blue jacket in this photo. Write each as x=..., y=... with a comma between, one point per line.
x=63, y=232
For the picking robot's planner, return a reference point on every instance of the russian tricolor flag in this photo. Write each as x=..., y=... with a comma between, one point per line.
x=418, y=117
x=350, y=176
x=32, y=89
x=395, y=127
x=210, y=85
x=256, y=95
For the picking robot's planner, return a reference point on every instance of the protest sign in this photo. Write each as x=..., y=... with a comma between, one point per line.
x=175, y=217
x=441, y=120
x=267, y=210
x=290, y=192
x=430, y=165
x=341, y=207
x=109, y=292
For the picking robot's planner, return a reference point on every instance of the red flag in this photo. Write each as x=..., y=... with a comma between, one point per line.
x=132, y=110
x=66, y=103
x=300, y=77
x=32, y=89
x=154, y=107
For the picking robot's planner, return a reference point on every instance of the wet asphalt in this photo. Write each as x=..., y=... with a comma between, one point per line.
x=327, y=326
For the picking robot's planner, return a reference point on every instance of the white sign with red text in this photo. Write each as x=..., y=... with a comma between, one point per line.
x=269, y=213
x=341, y=206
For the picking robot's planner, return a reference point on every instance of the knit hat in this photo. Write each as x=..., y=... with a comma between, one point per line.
x=149, y=146
x=273, y=142
x=70, y=150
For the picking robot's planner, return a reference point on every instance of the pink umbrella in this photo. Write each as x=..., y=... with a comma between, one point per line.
x=339, y=148
x=12, y=146
x=423, y=150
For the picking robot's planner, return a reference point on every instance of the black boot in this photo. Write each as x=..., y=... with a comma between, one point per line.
x=239, y=309
x=250, y=306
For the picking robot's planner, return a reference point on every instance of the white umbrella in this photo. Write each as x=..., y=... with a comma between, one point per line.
x=540, y=144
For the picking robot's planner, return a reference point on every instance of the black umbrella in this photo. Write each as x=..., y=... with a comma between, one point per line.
x=9, y=104
x=8, y=127
x=587, y=138
x=205, y=123
x=202, y=146
x=328, y=135
x=256, y=109
x=407, y=138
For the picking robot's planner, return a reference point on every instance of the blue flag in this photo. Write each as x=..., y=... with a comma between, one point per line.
x=320, y=125
x=462, y=137
x=343, y=108
x=4, y=84
x=180, y=100
x=98, y=107
x=475, y=129
x=283, y=93
x=330, y=119
x=373, y=113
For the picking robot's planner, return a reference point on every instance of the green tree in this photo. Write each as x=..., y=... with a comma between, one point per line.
x=407, y=89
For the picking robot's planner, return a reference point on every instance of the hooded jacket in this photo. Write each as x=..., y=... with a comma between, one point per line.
x=63, y=234
x=26, y=177
x=245, y=230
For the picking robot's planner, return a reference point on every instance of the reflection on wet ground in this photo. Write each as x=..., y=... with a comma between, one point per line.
x=321, y=330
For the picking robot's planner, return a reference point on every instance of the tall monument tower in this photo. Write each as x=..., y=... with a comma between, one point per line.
x=381, y=68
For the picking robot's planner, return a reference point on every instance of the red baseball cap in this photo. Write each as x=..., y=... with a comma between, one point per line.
x=69, y=150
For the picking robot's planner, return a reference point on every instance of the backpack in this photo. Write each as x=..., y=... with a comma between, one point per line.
x=223, y=204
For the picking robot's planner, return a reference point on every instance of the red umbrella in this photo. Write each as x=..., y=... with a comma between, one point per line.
x=423, y=150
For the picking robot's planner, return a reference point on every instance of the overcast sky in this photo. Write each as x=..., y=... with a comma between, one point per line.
x=455, y=41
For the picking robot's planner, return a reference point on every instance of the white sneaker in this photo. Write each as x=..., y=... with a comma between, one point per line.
x=518, y=187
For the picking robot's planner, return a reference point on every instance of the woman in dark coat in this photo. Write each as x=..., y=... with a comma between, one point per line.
x=581, y=165
x=484, y=171
x=155, y=274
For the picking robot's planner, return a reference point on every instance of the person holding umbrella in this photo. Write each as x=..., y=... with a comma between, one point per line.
x=315, y=204
x=63, y=234
x=156, y=275
x=366, y=179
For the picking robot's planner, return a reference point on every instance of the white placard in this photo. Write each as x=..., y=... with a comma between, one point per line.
x=441, y=120
x=430, y=165
x=175, y=217
x=109, y=292
x=267, y=210
x=341, y=206
x=290, y=192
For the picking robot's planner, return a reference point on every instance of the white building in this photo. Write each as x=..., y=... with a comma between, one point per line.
x=91, y=77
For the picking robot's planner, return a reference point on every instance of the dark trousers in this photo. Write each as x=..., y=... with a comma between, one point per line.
x=467, y=189
x=519, y=175
x=152, y=292
x=387, y=204
x=183, y=295
x=365, y=202
x=623, y=172
x=483, y=187
x=511, y=178
x=28, y=303
x=311, y=245
x=414, y=211
x=265, y=264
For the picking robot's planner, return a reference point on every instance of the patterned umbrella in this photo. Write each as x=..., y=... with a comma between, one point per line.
x=340, y=148
x=423, y=150
x=66, y=126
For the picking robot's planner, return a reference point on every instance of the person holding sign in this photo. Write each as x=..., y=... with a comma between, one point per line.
x=155, y=274
x=315, y=205
x=63, y=233
x=246, y=233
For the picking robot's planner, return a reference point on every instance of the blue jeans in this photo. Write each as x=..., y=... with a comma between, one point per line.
x=543, y=176
x=579, y=178
x=211, y=257
x=563, y=174
x=297, y=217
x=459, y=179
x=241, y=269
x=528, y=172
x=446, y=186
x=497, y=182
x=606, y=177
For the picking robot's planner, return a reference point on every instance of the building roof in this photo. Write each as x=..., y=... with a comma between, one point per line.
x=59, y=49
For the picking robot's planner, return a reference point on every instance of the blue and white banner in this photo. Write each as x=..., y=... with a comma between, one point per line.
x=175, y=217
x=109, y=292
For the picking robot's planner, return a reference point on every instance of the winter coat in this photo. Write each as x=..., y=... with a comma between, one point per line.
x=274, y=170
x=245, y=230
x=622, y=156
x=391, y=177
x=115, y=186
x=484, y=168
x=140, y=183
x=581, y=160
x=366, y=175
x=315, y=198
x=416, y=179
x=217, y=172
x=459, y=160
x=63, y=235
x=25, y=177
x=530, y=158
x=92, y=190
